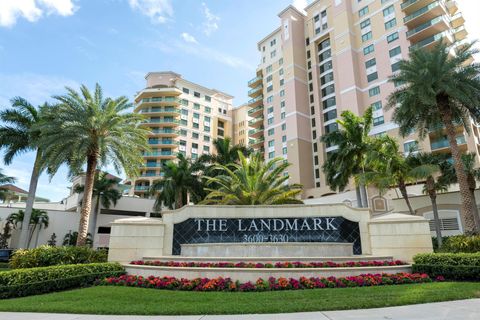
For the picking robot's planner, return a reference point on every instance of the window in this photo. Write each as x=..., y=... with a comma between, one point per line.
x=325, y=55
x=389, y=10
x=390, y=24
x=315, y=147
x=330, y=115
x=370, y=63
x=395, y=52
x=208, y=98
x=270, y=88
x=309, y=65
x=282, y=93
x=183, y=132
x=282, y=82
x=374, y=91
x=270, y=110
x=316, y=18
x=328, y=90
x=284, y=127
x=280, y=61
x=270, y=99
x=307, y=41
x=331, y=127
x=363, y=11
x=284, y=150
x=271, y=155
x=372, y=76
x=184, y=102
x=273, y=42
x=378, y=121
x=196, y=106
x=315, y=160
x=365, y=23
x=206, y=128
x=206, y=138
x=326, y=78
x=280, y=72
x=196, y=125
x=269, y=69
x=377, y=105
x=392, y=37
x=185, y=112
x=312, y=110
x=270, y=121
x=317, y=173
x=183, y=122
x=410, y=146
x=208, y=109
x=368, y=49
x=196, y=94
x=367, y=36
x=194, y=136
x=284, y=138
x=282, y=115
x=271, y=143
x=206, y=148
x=269, y=78
x=323, y=13
x=330, y=102
x=396, y=66
x=308, y=54
x=273, y=54
x=326, y=66
x=185, y=90
x=314, y=134
x=270, y=132
x=324, y=45
x=314, y=124
x=196, y=115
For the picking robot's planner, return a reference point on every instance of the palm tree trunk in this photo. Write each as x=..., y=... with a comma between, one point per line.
x=476, y=215
x=403, y=191
x=92, y=227
x=31, y=235
x=436, y=219
x=32, y=190
x=363, y=191
x=36, y=237
x=359, y=196
x=87, y=199
x=467, y=202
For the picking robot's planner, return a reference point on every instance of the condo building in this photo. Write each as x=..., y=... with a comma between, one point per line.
x=184, y=117
x=338, y=55
x=240, y=125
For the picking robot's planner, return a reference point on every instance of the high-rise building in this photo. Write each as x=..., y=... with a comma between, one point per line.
x=240, y=123
x=184, y=117
x=338, y=55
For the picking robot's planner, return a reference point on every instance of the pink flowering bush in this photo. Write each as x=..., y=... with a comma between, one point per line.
x=271, y=284
x=258, y=265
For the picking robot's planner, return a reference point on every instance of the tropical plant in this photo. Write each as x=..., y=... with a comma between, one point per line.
x=19, y=134
x=252, y=182
x=440, y=91
x=181, y=179
x=90, y=129
x=4, y=179
x=39, y=218
x=428, y=167
x=104, y=193
x=52, y=242
x=71, y=238
x=225, y=152
x=348, y=160
x=389, y=168
x=5, y=235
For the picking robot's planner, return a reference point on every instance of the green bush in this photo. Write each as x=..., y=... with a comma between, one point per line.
x=45, y=256
x=453, y=266
x=23, y=282
x=461, y=243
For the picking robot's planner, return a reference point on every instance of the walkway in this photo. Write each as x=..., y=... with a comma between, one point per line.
x=453, y=310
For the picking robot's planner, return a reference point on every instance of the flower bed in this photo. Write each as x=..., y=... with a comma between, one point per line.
x=328, y=264
x=226, y=284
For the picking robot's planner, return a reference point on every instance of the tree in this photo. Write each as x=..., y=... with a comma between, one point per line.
x=4, y=180
x=440, y=90
x=348, y=160
x=389, y=168
x=5, y=235
x=19, y=134
x=225, y=152
x=252, y=182
x=39, y=218
x=104, y=193
x=180, y=179
x=428, y=167
x=90, y=129
x=70, y=239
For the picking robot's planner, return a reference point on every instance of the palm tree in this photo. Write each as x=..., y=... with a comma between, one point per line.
x=440, y=90
x=389, y=168
x=428, y=167
x=70, y=239
x=38, y=218
x=348, y=160
x=252, y=182
x=181, y=179
x=90, y=129
x=104, y=192
x=4, y=179
x=225, y=152
x=19, y=134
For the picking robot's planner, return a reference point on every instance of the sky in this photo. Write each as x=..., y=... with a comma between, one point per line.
x=46, y=45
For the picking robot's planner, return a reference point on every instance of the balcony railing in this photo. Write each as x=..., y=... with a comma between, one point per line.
x=252, y=101
x=254, y=80
x=256, y=89
x=254, y=121
x=444, y=143
x=163, y=142
x=429, y=40
x=407, y=3
x=423, y=10
x=142, y=188
x=425, y=25
x=160, y=110
x=165, y=131
x=159, y=99
x=252, y=111
x=163, y=121
x=159, y=153
x=251, y=132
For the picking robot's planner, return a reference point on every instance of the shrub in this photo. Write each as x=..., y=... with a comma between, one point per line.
x=454, y=266
x=45, y=256
x=23, y=282
x=461, y=243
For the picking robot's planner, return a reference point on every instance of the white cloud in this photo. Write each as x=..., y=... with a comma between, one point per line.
x=33, y=10
x=189, y=38
x=211, y=23
x=159, y=11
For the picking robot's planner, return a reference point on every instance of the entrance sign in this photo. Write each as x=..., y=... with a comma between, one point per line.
x=244, y=230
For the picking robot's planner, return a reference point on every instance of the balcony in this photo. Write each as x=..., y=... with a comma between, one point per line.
x=159, y=154
x=142, y=188
x=257, y=143
x=256, y=133
x=429, y=42
x=256, y=122
x=255, y=81
x=256, y=112
x=157, y=101
x=255, y=92
x=158, y=110
x=410, y=6
x=426, y=13
x=165, y=132
x=428, y=29
x=162, y=122
x=452, y=6
x=442, y=145
x=460, y=33
x=457, y=20
x=255, y=102
x=163, y=143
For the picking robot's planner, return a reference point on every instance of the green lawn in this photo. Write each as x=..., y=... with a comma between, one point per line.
x=125, y=300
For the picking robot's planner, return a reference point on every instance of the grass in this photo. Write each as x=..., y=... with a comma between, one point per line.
x=139, y=301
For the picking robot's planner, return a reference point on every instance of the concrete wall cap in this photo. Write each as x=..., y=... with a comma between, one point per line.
x=397, y=217
x=138, y=220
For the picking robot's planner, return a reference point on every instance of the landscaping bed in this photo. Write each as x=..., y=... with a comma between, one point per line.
x=452, y=266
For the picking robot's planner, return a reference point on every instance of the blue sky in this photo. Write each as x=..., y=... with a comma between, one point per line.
x=48, y=44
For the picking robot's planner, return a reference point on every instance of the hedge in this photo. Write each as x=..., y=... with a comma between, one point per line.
x=23, y=282
x=461, y=243
x=45, y=256
x=453, y=266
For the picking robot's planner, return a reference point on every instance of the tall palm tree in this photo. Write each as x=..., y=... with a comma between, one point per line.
x=389, y=168
x=181, y=179
x=39, y=218
x=90, y=129
x=440, y=89
x=104, y=192
x=428, y=167
x=225, y=152
x=252, y=182
x=348, y=160
x=4, y=179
